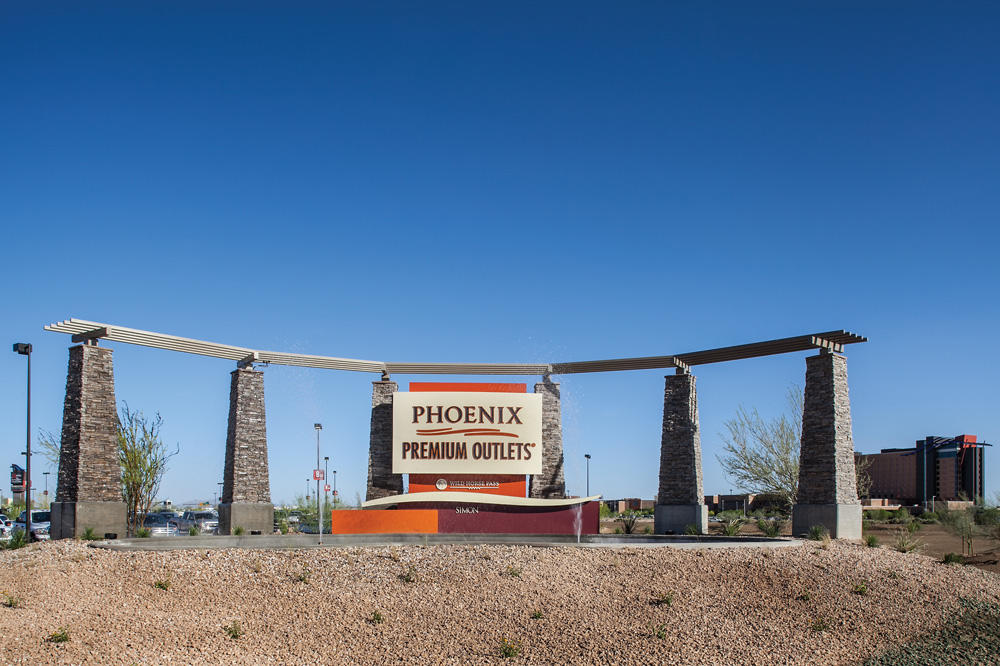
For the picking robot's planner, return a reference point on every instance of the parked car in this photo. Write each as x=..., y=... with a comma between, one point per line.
x=6, y=527
x=39, y=524
x=207, y=522
x=158, y=525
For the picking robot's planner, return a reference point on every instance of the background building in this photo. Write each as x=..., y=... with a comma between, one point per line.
x=942, y=468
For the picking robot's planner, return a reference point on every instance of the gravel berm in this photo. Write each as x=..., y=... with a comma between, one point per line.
x=459, y=604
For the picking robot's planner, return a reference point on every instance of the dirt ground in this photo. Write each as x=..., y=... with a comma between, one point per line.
x=936, y=540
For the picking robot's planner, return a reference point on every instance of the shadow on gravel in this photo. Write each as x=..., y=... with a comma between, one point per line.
x=971, y=636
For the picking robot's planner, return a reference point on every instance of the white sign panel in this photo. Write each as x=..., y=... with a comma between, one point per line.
x=466, y=433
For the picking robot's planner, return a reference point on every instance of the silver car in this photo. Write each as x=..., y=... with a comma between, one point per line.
x=158, y=525
x=207, y=522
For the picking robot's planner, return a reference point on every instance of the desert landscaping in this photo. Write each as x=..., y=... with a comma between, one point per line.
x=817, y=603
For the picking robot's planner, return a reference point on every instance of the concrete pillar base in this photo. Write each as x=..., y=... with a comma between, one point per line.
x=70, y=519
x=843, y=521
x=251, y=516
x=675, y=518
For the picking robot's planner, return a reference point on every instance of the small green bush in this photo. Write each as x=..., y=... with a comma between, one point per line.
x=88, y=534
x=411, y=575
x=871, y=541
x=376, y=618
x=906, y=542
x=303, y=576
x=953, y=558
x=193, y=530
x=234, y=630
x=514, y=572
x=537, y=615
x=770, y=528
x=61, y=635
x=820, y=624
x=660, y=631
x=732, y=528
x=628, y=521
x=930, y=517
x=510, y=648
x=11, y=601
x=663, y=599
x=238, y=530
x=818, y=533
x=143, y=532
x=805, y=596
x=861, y=589
x=692, y=529
x=162, y=584
x=19, y=539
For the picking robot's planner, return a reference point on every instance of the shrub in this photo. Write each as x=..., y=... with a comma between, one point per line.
x=664, y=599
x=902, y=517
x=162, y=584
x=628, y=521
x=19, y=539
x=692, y=529
x=861, y=589
x=61, y=635
x=238, y=530
x=303, y=576
x=510, y=648
x=953, y=558
x=618, y=530
x=234, y=630
x=283, y=526
x=930, y=517
x=193, y=530
x=88, y=534
x=871, y=541
x=376, y=618
x=143, y=532
x=906, y=542
x=411, y=575
x=537, y=615
x=512, y=571
x=771, y=528
x=818, y=532
x=805, y=596
x=912, y=526
x=605, y=511
x=647, y=530
x=732, y=528
x=11, y=601
x=660, y=631
x=819, y=624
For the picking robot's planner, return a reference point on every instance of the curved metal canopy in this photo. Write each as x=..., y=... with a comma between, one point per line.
x=83, y=331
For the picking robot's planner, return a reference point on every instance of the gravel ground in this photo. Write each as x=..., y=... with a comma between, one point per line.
x=457, y=604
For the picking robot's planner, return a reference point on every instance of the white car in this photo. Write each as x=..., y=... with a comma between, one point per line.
x=39, y=524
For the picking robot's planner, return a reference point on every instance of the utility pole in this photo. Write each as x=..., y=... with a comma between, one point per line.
x=319, y=509
x=587, y=456
x=24, y=349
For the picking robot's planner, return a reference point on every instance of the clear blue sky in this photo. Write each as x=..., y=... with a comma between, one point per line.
x=504, y=182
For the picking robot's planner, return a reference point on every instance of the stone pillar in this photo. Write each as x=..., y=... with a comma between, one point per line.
x=680, y=501
x=89, y=491
x=381, y=481
x=828, y=493
x=246, y=487
x=551, y=483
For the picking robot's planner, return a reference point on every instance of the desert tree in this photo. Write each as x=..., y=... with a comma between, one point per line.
x=761, y=455
x=143, y=459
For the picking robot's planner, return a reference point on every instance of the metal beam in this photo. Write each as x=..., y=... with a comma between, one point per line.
x=82, y=330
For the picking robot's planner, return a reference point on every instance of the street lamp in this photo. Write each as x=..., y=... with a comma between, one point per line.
x=335, y=500
x=319, y=510
x=46, y=475
x=326, y=474
x=24, y=349
x=587, y=456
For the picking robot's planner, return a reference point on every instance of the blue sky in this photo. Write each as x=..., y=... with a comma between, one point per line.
x=504, y=182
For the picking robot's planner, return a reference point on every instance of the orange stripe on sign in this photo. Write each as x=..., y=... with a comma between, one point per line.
x=478, y=387
x=389, y=521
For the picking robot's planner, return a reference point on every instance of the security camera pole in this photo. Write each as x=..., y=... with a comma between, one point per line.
x=317, y=474
x=24, y=349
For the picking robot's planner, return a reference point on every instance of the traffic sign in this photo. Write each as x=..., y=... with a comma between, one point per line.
x=317, y=475
x=326, y=488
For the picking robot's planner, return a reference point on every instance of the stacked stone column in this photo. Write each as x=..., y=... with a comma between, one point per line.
x=246, y=488
x=551, y=483
x=381, y=481
x=89, y=493
x=680, y=501
x=828, y=493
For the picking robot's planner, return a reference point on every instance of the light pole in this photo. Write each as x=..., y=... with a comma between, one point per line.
x=24, y=349
x=335, y=486
x=326, y=475
x=319, y=510
x=218, y=494
x=587, y=456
